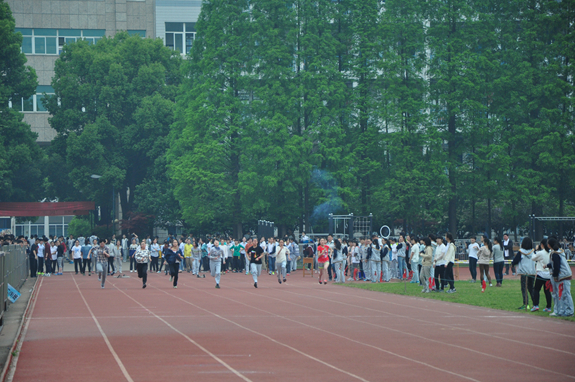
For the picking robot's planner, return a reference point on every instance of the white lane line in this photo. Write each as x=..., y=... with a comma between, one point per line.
x=412, y=335
x=267, y=337
x=337, y=335
x=504, y=314
x=110, y=347
x=439, y=324
x=218, y=359
x=11, y=371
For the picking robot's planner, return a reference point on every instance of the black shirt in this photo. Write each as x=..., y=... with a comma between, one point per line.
x=255, y=251
x=34, y=250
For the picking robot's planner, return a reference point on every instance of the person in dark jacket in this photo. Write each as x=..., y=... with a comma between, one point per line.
x=173, y=256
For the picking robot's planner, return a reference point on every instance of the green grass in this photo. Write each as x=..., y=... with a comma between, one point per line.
x=508, y=297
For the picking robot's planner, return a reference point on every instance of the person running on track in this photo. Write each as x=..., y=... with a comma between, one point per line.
x=217, y=258
x=322, y=259
x=142, y=257
x=255, y=253
x=173, y=257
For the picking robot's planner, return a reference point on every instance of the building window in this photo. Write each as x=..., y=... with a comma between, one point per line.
x=142, y=33
x=180, y=36
x=33, y=103
x=52, y=41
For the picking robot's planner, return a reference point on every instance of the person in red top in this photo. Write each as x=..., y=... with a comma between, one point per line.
x=322, y=259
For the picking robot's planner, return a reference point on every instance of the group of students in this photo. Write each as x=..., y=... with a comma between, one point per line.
x=428, y=261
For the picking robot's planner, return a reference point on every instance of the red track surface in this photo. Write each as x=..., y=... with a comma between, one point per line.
x=298, y=331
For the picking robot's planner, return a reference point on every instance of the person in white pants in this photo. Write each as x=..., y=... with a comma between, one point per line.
x=364, y=260
x=414, y=260
x=255, y=253
x=338, y=261
x=281, y=261
x=216, y=256
x=196, y=259
x=375, y=261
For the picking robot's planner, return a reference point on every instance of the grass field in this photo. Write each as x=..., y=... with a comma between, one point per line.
x=508, y=297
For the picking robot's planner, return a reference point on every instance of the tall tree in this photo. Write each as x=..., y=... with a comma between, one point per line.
x=112, y=102
x=453, y=83
x=209, y=142
x=411, y=167
x=20, y=178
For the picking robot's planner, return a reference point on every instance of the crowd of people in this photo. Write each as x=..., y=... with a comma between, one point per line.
x=427, y=261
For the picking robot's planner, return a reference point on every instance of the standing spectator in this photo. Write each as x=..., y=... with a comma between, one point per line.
x=155, y=255
x=375, y=261
x=71, y=242
x=188, y=255
x=440, y=265
x=116, y=251
x=508, y=254
x=385, y=262
x=111, y=258
x=449, y=262
x=54, y=257
x=132, y=252
x=393, y=259
x=33, y=258
x=92, y=256
x=125, y=252
x=363, y=250
x=526, y=268
x=40, y=253
x=561, y=275
x=271, y=252
x=541, y=259
x=77, y=256
x=498, y=261
x=401, y=253
x=484, y=257
x=86, y=260
x=426, y=264
x=414, y=260
x=472, y=250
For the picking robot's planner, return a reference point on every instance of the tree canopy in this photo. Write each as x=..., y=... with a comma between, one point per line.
x=112, y=110
x=20, y=178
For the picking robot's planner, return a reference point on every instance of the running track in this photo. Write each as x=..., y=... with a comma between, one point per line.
x=300, y=331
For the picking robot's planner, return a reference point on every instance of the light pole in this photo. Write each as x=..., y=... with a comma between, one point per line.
x=94, y=176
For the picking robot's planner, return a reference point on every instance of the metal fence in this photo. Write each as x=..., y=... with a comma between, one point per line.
x=13, y=271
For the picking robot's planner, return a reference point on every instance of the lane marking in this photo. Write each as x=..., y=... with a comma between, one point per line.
x=335, y=334
x=413, y=335
x=502, y=313
x=10, y=369
x=218, y=359
x=110, y=347
x=267, y=337
x=444, y=325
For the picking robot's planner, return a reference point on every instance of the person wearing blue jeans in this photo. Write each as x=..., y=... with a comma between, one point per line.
x=401, y=264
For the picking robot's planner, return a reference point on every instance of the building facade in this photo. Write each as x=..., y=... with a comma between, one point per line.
x=47, y=25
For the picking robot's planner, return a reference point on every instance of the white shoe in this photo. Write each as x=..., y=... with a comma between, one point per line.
x=490, y=284
x=131, y=271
